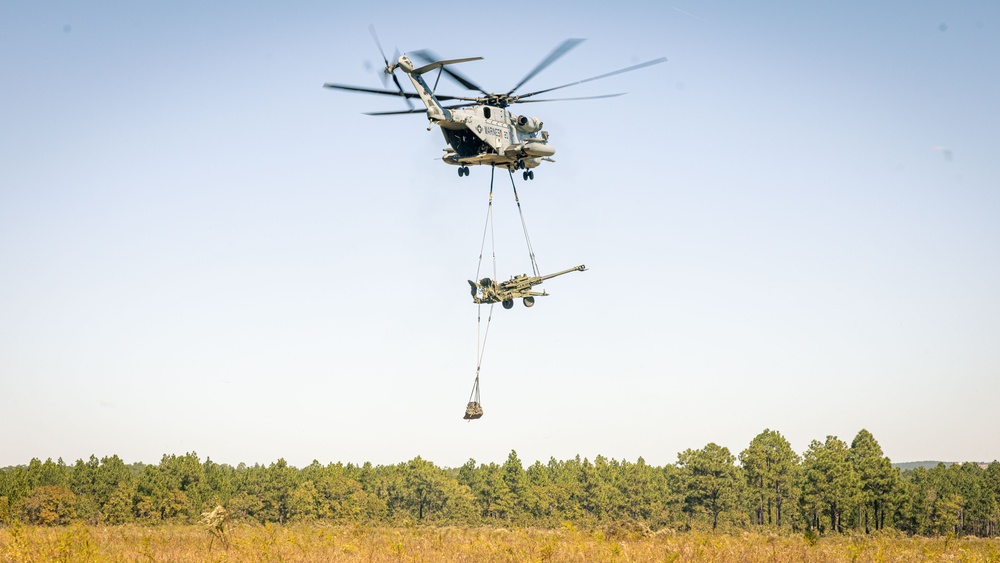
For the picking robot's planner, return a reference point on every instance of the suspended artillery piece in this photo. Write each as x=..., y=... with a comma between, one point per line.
x=488, y=291
x=517, y=287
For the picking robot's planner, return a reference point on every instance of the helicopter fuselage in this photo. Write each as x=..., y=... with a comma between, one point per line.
x=490, y=135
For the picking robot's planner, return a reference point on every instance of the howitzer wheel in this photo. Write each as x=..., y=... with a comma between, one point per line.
x=529, y=301
x=508, y=303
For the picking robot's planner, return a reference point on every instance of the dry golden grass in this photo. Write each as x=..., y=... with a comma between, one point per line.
x=319, y=542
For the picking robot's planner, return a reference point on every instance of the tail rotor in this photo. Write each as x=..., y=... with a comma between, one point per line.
x=390, y=68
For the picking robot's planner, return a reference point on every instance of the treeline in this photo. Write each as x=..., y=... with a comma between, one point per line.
x=832, y=488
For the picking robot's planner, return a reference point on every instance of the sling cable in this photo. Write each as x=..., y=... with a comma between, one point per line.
x=489, y=292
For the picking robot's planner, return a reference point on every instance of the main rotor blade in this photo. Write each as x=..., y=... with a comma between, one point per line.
x=571, y=99
x=406, y=95
x=612, y=73
x=401, y=112
x=559, y=51
x=371, y=90
x=430, y=57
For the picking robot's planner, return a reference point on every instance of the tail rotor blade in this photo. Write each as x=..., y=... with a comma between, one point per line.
x=390, y=68
x=371, y=29
x=400, y=86
x=395, y=56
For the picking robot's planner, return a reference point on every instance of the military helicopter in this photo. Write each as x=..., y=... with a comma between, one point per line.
x=482, y=130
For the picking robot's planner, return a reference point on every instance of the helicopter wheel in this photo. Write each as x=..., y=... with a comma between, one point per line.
x=524, y=174
x=529, y=301
x=508, y=303
x=520, y=164
x=531, y=174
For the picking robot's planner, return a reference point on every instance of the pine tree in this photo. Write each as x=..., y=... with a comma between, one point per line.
x=771, y=470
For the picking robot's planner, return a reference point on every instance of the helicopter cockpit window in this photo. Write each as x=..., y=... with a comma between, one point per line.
x=486, y=113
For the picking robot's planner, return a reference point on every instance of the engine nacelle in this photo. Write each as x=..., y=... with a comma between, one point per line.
x=528, y=124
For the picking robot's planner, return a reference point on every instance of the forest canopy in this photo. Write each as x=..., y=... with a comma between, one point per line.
x=833, y=487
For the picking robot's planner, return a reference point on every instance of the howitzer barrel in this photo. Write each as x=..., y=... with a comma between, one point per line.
x=579, y=268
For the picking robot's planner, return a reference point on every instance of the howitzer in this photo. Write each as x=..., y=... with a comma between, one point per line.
x=517, y=287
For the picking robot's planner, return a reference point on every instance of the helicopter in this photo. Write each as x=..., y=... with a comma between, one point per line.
x=481, y=130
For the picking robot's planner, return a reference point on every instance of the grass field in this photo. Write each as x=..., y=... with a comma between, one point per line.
x=318, y=542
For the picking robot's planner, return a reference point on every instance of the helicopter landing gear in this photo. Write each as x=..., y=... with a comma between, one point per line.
x=529, y=301
x=528, y=174
x=463, y=171
x=508, y=303
x=519, y=165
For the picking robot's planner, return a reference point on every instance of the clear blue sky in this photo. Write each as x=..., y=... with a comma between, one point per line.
x=793, y=224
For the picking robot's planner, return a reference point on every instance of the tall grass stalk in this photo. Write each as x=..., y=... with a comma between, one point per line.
x=319, y=542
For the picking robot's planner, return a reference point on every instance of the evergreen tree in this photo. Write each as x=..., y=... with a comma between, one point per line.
x=14, y=486
x=217, y=484
x=567, y=492
x=540, y=494
x=879, y=481
x=517, y=484
x=277, y=483
x=48, y=473
x=830, y=485
x=711, y=480
x=991, y=484
x=977, y=499
x=771, y=469
x=95, y=482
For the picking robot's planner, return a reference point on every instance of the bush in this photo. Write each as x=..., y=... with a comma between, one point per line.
x=51, y=505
